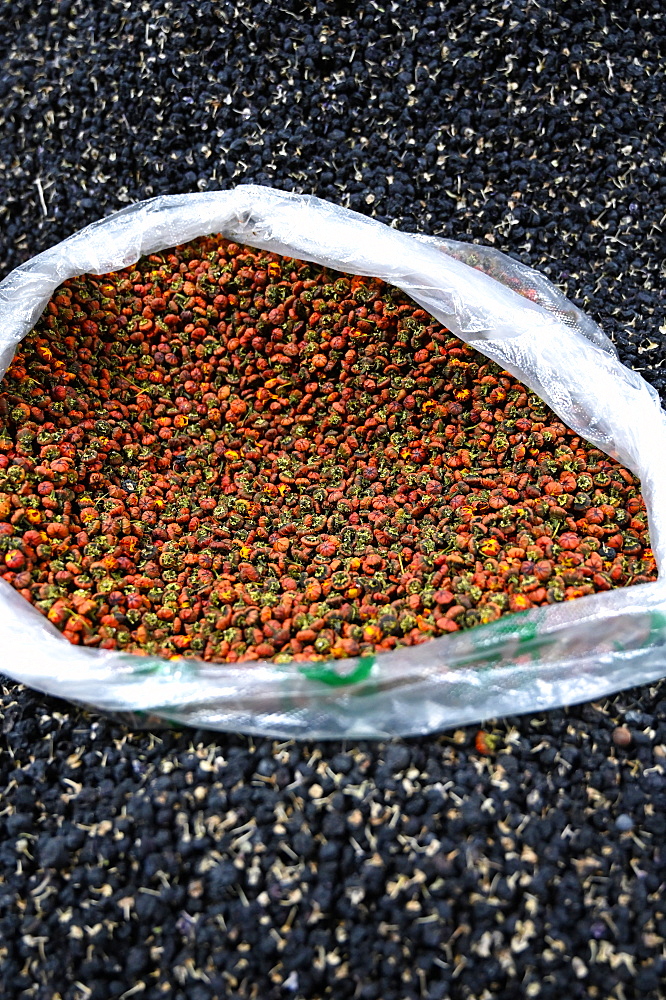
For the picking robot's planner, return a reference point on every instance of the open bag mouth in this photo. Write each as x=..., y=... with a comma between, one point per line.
x=525, y=662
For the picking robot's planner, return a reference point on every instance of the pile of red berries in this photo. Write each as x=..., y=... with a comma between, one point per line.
x=228, y=454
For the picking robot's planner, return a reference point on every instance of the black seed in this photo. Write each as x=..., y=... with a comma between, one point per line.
x=18, y=823
x=397, y=757
x=53, y=852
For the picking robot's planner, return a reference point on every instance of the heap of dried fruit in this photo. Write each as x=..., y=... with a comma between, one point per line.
x=225, y=453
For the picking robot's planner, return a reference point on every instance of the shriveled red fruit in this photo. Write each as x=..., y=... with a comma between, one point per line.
x=486, y=743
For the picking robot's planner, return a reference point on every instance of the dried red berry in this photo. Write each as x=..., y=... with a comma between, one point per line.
x=486, y=743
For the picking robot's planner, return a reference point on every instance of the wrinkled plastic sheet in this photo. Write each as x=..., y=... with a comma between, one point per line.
x=525, y=662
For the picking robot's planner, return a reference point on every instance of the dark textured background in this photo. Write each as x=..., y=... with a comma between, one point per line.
x=190, y=865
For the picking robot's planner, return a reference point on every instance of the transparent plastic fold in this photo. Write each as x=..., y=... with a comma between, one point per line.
x=524, y=662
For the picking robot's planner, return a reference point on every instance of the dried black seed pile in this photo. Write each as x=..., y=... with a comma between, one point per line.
x=193, y=866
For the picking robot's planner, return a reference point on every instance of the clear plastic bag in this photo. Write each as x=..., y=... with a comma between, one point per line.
x=524, y=662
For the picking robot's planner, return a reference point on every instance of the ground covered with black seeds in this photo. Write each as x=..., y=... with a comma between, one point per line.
x=191, y=865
